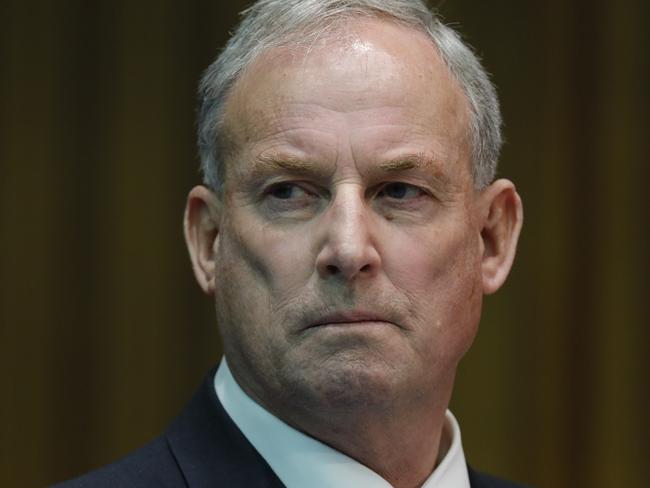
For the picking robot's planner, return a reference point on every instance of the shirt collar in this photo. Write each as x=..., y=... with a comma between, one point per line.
x=300, y=460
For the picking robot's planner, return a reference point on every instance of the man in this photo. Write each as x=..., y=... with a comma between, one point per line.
x=348, y=228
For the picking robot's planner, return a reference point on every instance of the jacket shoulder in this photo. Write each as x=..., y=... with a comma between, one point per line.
x=153, y=465
x=482, y=480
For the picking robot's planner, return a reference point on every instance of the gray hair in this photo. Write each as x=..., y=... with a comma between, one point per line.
x=274, y=23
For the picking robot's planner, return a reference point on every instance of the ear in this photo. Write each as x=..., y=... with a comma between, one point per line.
x=201, y=229
x=502, y=217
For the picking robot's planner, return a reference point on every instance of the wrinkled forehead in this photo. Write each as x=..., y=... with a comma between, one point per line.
x=357, y=62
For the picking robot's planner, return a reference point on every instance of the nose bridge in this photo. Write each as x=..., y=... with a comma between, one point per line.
x=347, y=216
x=348, y=248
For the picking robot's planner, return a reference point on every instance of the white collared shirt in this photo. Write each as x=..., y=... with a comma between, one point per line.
x=300, y=460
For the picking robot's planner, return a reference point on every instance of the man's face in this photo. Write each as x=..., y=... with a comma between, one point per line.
x=347, y=259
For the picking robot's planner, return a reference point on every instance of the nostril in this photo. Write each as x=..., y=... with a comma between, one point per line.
x=365, y=267
x=331, y=269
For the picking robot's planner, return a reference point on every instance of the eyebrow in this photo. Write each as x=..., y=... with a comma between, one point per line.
x=409, y=161
x=420, y=161
x=264, y=164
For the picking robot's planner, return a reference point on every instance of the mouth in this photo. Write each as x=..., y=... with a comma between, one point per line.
x=349, y=319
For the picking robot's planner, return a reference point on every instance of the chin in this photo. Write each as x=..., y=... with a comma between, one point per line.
x=344, y=382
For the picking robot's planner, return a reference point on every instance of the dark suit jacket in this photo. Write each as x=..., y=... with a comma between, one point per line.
x=203, y=448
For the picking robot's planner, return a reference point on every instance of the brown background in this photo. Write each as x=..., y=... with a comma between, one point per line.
x=104, y=335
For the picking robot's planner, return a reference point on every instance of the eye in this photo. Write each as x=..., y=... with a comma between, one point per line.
x=290, y=197
x=288, y=191
x=400, y=191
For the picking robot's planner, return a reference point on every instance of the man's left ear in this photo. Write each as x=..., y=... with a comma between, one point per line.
x=502, y=216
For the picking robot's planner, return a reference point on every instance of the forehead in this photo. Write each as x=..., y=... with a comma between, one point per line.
x=366, y=70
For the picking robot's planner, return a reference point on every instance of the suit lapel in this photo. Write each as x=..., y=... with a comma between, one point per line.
x=211, y=451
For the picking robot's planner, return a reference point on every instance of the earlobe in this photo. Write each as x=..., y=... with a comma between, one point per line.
x=201, y=229
x=501, y=225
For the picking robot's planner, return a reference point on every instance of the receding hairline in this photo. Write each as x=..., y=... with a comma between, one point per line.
x=341, y=31
x=269, y=23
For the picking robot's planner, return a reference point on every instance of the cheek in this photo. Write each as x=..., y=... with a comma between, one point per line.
x=440, y=277
x=275, y=262
x=261, y=274
x=432, y=259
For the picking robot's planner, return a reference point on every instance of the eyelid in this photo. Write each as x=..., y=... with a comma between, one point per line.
x=301, y=205
x=302, y=185
x=422, y=190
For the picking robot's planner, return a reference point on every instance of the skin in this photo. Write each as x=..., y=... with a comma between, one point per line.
x=350, y=251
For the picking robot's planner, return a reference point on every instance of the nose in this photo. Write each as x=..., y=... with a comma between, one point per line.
x=348, y=249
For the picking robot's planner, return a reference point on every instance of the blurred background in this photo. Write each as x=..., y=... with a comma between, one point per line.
x=104, y=334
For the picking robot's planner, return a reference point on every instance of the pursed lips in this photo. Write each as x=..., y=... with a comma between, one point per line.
x=349, y=318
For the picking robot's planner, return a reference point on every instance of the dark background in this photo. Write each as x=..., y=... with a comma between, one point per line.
x=104, y=335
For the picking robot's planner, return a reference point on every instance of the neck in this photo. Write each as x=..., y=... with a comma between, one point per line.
x=398, y=434
x=403, y=449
